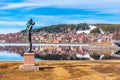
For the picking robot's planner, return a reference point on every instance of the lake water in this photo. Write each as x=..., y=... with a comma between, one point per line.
x=10, y=56
x=15, y=53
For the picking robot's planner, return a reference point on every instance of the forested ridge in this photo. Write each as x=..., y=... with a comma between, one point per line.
x=107, y=27
x=82, y=26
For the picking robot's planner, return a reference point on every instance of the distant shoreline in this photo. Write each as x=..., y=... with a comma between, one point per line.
x=41, y=44
x=87, y=46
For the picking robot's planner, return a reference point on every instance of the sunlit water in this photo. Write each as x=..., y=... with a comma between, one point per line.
x=11, y=56
x=15, y=53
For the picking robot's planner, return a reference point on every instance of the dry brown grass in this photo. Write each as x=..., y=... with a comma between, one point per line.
x=63, y=70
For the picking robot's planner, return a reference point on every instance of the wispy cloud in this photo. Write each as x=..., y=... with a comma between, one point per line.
x=44, y=20
x=18, y=5
x=99, y=6
x=9, y=30
x=77, y=4
x=13, y=23
x=69, y=19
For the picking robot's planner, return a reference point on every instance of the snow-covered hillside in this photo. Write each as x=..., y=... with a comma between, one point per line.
x=86, y=31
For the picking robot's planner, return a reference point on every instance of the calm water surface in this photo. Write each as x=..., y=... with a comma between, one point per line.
x=15, y=53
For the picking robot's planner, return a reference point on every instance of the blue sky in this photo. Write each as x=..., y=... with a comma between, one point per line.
x=15, y=13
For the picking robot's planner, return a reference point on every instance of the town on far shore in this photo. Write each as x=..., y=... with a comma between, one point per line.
x=68, y=35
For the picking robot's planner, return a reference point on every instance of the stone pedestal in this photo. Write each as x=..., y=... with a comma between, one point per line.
x=29, y=62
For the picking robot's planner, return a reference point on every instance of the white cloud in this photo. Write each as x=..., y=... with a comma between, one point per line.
x=98, y=6
x=69, y=19
x=12, y=26
x=18, y=5
x=77, y=4
x=13, y=23
x=44, y=20
x=9, y=30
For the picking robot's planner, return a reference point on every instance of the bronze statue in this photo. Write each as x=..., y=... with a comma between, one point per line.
x=29, y=24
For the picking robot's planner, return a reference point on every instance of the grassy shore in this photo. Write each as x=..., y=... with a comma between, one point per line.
x=63, y=70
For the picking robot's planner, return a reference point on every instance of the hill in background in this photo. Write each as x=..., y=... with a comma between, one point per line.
x=82, y=26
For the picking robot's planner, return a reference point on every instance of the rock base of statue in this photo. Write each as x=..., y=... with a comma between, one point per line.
x=29, y=62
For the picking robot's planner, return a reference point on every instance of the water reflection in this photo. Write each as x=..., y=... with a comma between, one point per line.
x=74, y=53
x=59, y=53
x=13, y=53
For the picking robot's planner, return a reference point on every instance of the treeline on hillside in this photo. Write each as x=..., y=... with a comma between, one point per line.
x=82, y=26
x=106, y=28
x=62, y=27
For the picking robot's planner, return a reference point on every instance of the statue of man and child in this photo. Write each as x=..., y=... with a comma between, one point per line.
x=29, y=27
